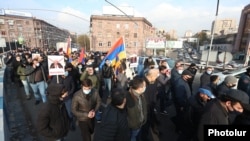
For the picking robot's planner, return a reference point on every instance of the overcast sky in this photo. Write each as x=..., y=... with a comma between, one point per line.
x=180, y=15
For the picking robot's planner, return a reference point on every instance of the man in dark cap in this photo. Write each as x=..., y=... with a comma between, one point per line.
x=217, y=111
x=53, y=122
x=193, y=69
x=181, y=95
x=228, y=83
x=244, y=82
x=196, y=105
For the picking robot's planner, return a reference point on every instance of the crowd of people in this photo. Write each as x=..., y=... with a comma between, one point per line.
x=108, y=106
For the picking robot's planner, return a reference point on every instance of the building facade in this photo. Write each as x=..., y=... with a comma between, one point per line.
x=224, y=26
x=35, y=33
x=106, y=29
x=242, y=42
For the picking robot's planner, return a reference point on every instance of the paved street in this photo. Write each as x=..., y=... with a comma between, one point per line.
x=21, y=117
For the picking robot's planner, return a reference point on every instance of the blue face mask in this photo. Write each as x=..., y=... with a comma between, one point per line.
x=66, y=73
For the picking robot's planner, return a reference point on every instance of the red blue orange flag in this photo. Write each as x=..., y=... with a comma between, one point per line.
x=116, y=53
x=82, y=56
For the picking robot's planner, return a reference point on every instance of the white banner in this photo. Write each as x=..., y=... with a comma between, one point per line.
x=155, y=43
x=174, y=44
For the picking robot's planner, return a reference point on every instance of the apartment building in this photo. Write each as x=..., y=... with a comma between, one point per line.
x=224, y=26
x=242, y=42
x=35, y=33
x=106, y=29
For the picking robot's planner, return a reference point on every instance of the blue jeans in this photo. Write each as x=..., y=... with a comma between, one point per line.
x=41, y=86
x=133, y=134
x=107, y=82
x=26, y=87
x=68, y=107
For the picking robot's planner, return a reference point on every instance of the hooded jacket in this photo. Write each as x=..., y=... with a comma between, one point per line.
x=53, y=121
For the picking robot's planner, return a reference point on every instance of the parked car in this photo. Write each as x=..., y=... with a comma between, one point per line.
x=237, y=73
x=139, y=64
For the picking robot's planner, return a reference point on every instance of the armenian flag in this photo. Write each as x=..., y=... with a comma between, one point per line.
x=68, y=46
x=116, y=53
x=82, y=56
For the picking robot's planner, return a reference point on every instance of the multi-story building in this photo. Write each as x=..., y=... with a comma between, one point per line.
x=35, y=33
x=243, y=37
x=106, y=29
x=224, y=26
x=188, y=34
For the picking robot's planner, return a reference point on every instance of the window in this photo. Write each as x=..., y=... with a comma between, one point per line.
x=109, y=35
x=100, y=24
x=109, y=43
x=19, y=22
x=1, y=21
x=11, y=22
x=100, y=44
x=135, y=35
x=118, y=26
x=127, y=35
x=11, y=27
x=3, y=32
x=12, y=34
x=99, y=34
x=20, y=28
x=27, y=22
x=126, y=26
x=135, y=44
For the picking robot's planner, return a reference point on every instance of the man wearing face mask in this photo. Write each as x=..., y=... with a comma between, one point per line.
x=228, y=83
x=244, y=82
x=193, y=69
x=67, y=81
x=150, y=96
x=136, y=107
x=217, y=111
x=85, y=103
x=205, y=77
x=181, y=95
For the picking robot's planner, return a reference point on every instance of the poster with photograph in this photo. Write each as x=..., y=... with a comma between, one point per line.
x=56, y=65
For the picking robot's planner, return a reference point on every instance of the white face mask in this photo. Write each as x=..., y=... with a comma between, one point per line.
x=209, y=72
x=86, y=91
x=66, y=73
x=180, y=71
x=37, y=64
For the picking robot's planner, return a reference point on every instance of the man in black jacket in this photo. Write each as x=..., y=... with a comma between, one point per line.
x=53, y=121
x=217, y=111
x=114, y=124
x=108, y=75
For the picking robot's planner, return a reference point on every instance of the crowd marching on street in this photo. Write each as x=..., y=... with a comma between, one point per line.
x=107, y=105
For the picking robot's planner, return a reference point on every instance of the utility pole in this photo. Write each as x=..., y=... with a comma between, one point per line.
x=212, y=36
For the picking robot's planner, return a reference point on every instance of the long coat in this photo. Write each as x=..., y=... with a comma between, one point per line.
x=52, y=120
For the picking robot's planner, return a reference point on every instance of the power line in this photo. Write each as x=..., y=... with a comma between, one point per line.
x=56, y=12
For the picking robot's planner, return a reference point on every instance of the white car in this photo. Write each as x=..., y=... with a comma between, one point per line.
x=237, y=73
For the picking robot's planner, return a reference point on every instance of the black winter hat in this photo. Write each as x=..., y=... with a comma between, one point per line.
x=55, y=89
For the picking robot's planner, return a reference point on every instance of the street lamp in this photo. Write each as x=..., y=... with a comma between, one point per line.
x=212, y=37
